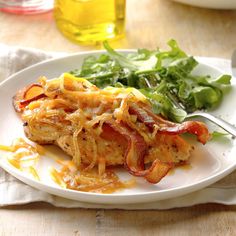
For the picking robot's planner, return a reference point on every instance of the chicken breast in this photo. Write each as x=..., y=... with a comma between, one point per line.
x=115, y=125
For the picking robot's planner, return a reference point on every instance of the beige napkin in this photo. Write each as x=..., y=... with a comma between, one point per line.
x=14, y=192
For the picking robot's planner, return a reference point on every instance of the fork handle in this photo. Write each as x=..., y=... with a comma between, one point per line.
x=216, y=120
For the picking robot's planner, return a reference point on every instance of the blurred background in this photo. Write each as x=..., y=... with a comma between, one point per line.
x=149, y=23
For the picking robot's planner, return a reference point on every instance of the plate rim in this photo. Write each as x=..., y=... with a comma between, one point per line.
x=103, y=198
x=207, y=5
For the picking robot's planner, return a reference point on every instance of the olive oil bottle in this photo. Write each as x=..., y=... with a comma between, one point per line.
x=90, y=21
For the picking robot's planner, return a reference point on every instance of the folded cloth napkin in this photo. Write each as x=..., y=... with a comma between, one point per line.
x=14, y=192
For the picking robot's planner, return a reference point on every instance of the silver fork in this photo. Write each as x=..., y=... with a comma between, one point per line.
x=216, y=120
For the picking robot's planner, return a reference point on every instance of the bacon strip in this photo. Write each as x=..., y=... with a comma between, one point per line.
x=134, y=143
x=135, y=152
x=157, y=171
x=193, y=127
x=27, y=95
x=142, y=116
x=166, y=127
x=26, y=102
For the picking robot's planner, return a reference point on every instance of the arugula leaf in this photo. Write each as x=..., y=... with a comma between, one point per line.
x=217, y=134
x=101, y=71
x=121, y=59
x=164, y=77
x=220, y=136
x=166, y=57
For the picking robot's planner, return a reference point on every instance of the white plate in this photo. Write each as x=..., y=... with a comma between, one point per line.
x=214, y=4
x=209, y=163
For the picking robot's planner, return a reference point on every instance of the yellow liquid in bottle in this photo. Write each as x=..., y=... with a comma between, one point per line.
x=90, y=21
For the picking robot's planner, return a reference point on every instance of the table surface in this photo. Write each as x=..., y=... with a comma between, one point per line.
x=150, y=23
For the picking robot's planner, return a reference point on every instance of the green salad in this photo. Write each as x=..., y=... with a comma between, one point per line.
x=164, y=77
